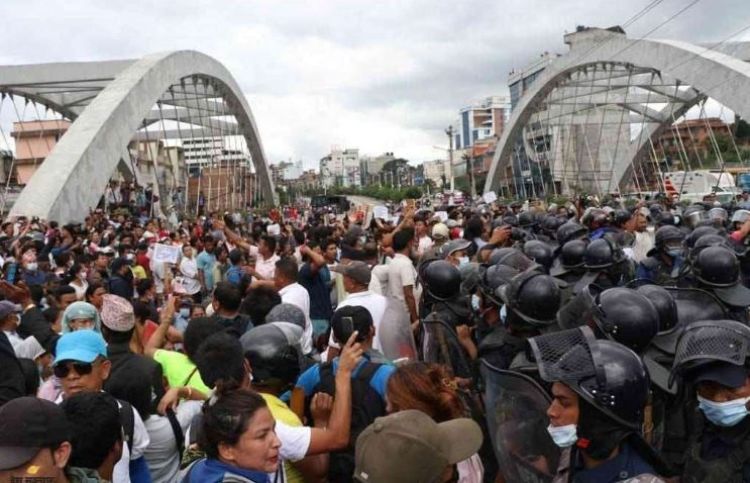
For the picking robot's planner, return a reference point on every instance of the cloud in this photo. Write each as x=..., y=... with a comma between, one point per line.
x=383, y=76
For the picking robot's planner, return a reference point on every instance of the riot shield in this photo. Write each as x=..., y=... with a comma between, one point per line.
x=517, y=422
x=440, y=345
x=692, y=304
x=394, y=333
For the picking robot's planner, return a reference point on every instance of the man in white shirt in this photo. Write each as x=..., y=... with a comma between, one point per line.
x=356, y=277
x=402, y=276
x=285, y=280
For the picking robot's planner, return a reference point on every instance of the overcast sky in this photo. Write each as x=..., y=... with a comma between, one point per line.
x=380, y=76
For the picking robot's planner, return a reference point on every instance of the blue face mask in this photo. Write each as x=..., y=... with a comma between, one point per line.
x=563, y=436
x=724, y=414
x=475, y=302
x=675, y=252
x=185, y=313
x=463, y=261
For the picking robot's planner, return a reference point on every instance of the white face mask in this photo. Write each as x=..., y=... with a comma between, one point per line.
x=463, y=261
x=563, y=436
x=32, y=266
x=185, y=313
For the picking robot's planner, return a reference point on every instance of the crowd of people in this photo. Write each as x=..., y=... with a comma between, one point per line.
x=592, y=341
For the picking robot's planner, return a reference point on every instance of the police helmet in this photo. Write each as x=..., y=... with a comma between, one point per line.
x=540, y=253
x=664, y=304
x=666, y=234
x=533, y=296
x=602, y=253
x=707, y=342
x=571, y=255
x=698, y=233
x=570, y=230
x=442, y=280
x=626, y=316
x=716, y=266
x=526, y=219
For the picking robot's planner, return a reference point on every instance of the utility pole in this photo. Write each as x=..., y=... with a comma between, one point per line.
x=449, y=171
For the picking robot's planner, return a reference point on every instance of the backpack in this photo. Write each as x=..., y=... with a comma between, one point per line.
x=366, y=406
x=127, y=421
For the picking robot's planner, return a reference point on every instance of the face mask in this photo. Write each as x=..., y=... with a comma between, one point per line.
x=185, y=313
x=724, y=414
x=463, y=261
x=563, y=436
x=31, y=266
x=503, y=314
x=475, y=303
x=129, y=256
x=674, y=252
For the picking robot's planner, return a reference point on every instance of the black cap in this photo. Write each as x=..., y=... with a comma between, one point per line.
x=27, y=425
x=724, y=373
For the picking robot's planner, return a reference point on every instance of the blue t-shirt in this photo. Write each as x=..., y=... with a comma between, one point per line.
x=206, y=262
x=318, y=288
x=310, y=379
x=234, y=275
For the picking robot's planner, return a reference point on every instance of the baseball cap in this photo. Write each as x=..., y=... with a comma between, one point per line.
x=28, y=424
x=7, y=308
x=724, y=373
x=359, y=271
x=440, y=230
x=408, y=446
x=453, y=246
x=81, y=345
x=117, y=313
x=286, y=312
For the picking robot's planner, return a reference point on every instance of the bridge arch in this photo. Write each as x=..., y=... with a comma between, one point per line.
x=121, y=96
x=697, y=72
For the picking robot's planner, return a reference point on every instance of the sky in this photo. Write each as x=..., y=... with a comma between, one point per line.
x=379, y=76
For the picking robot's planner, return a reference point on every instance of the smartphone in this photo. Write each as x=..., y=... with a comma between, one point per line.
x=10, y=274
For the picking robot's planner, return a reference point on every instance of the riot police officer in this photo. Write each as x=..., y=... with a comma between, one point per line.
x=606, y=265
x=600, y=390
x=568, y=266
x=530, y=304
x=445, y=336
x=665, y=261
x=711, y=359
x=717, y=270
x=540, y=252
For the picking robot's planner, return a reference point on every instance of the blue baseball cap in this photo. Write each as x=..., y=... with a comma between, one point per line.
x=81, y=346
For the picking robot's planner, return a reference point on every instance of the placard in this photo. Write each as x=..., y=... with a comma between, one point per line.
x=489, y=197
x=166, y=253
x=380, y=212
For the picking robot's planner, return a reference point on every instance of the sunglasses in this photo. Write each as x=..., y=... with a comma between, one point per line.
x=61, y=371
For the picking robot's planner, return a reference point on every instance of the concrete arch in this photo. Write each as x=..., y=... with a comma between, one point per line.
x=75, y=174
x=709, y=72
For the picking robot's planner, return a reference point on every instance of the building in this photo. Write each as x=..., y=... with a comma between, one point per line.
x=435, y=171
x=286, y=171
x=34, y=140
x=371, y=166
x=482, y=120
x=341, y=168
x=202, y=152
